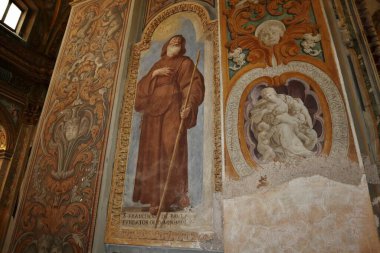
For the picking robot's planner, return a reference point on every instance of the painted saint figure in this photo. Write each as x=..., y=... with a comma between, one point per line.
x=160, y=97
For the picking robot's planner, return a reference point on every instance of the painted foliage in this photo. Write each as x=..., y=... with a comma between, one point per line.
x=59, y=207
x=271, y=33
x=282, y=94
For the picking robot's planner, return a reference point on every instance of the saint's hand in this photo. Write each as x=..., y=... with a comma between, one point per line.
x=185, y=112
x=165, y=71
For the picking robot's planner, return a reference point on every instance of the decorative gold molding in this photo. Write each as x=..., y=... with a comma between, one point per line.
x=155, y=6
x=114, y=232
x=176, y=8
x=218, y=159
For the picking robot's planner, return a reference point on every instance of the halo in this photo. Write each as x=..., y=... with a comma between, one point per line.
x=275, y=23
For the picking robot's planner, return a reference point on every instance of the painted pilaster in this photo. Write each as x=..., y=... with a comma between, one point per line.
x=58, y=209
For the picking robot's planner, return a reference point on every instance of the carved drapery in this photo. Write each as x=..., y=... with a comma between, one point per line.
x=339, y=142
x=58, y=210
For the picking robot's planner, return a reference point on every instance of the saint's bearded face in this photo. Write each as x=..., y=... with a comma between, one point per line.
x=173, y=48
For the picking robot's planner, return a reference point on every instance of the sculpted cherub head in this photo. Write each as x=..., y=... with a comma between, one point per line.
x=270, y=32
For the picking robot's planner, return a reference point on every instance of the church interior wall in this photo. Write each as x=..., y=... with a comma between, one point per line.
x=284, y=150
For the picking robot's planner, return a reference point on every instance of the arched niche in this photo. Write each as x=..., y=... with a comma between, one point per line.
x=336, y=140
x=174, y=20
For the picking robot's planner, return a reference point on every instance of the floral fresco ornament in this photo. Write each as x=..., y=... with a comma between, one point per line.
x=269, y=32
x=238, y=57
x=309, y=42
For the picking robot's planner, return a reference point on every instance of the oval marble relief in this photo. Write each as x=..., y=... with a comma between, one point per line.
x=282, y=122
x=278, y=113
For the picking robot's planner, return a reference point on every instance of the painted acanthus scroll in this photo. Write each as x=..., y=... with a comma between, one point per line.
x=58, y=210
x=269, y=31
x=71, y=129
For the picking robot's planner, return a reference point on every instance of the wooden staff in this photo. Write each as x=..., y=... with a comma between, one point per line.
x=181, y=126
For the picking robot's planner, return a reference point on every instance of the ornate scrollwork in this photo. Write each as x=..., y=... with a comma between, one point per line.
x=268, y=31
x=309, y=42
x=58, y=210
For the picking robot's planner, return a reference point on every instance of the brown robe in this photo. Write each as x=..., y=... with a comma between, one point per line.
x=160, y=99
